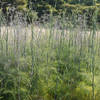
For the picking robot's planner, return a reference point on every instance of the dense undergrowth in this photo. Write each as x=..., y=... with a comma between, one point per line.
x=54, y=60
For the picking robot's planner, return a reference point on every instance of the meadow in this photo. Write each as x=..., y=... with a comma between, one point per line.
x=58, y=59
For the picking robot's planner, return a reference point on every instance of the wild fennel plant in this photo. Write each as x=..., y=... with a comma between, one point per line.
x=50, y=60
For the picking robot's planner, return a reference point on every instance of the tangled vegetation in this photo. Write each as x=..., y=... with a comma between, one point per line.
x=38, y=8
x=55, y=60
x=51, y=58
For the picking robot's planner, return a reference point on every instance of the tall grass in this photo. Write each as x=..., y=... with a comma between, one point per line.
x=51, y=60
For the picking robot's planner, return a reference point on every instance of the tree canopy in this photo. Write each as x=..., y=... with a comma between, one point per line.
x=44, y=6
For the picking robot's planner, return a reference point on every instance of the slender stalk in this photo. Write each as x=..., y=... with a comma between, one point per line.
x=32, y=51
x=18, y=57
x=7, y=42
x=32, y=60
x=93, y=51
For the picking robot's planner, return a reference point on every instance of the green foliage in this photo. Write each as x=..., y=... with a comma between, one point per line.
x=55, y=65
x=51, y=60
x=50, y=6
